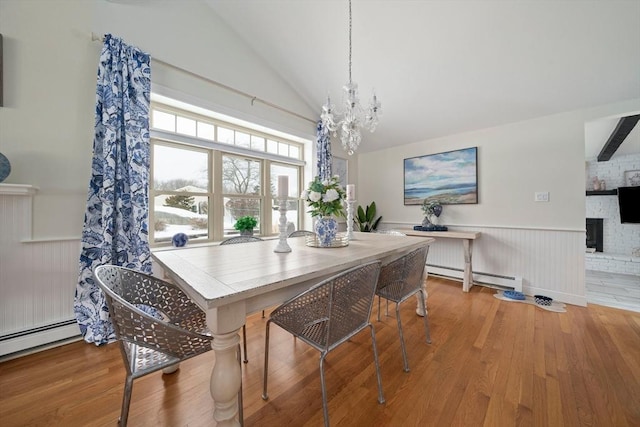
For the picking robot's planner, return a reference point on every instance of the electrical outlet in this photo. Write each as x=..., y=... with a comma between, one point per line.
x=541, y=196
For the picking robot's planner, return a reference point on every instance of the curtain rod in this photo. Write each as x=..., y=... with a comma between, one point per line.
x=96, y=37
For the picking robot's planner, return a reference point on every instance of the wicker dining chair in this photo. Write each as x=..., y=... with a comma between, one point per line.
x=240, y=239
x=388, y=232
x=327, y=315
x=233, y=241
x=156, y=325
x=301, y=233
x=398, y=281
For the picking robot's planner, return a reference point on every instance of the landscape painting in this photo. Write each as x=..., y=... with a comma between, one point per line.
x=449, y=178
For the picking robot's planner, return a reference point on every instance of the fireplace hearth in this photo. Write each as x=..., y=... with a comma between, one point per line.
x=594, y=234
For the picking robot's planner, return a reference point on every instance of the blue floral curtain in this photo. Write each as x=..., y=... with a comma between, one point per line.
x=323, y=150
x=116, y=219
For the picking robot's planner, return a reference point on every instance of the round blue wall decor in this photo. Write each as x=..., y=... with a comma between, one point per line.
x=5, y=167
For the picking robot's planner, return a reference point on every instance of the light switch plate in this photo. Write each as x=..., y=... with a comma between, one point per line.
x=541, y=196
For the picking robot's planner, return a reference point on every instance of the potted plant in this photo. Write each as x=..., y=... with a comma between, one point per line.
x=366, y=218
x=245, y=225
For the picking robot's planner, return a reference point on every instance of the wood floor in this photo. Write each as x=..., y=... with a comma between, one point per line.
x=492, y=363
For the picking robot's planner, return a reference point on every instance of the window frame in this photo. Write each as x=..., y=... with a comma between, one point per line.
x=216, y=151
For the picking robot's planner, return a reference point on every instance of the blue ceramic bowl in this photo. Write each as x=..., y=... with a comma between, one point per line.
x=514, y=295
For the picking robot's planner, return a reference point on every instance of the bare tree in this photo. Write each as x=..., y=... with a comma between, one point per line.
x=241, y=176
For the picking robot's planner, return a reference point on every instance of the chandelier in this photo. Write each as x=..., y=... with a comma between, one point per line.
x=350, y=122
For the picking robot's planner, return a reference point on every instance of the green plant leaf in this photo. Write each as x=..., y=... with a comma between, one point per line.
x=366, y=218
x=245, y=223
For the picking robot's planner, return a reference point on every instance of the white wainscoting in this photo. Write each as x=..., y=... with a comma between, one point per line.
x=37, y=278
x=550, y=262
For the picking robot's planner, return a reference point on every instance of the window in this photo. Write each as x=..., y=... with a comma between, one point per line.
x=293, y=204
x=242, y=188
x=181, y=196
x=203, y=178
x=164, y=121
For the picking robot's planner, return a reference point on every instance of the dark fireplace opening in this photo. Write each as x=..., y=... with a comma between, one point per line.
x=594, y=233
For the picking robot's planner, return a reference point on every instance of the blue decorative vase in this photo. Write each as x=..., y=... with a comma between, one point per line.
x=5, y=167
x=326, y=229
x=179, y=240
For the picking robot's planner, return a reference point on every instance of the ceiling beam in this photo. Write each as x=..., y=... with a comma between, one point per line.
x=624, y=127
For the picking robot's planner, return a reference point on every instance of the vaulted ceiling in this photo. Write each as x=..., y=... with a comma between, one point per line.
x=443, y=67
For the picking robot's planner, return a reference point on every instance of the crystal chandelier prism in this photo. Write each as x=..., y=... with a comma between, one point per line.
x=350, y=122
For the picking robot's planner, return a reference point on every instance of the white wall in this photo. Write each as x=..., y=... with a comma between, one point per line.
x=49, y=92
x=213, y=51
x=50, y=63
x=514, y=162
x=618, y=238
x=46, y=123
x=620, y=241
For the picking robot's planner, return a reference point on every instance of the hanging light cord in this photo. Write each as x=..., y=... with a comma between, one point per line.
x=354, y=118
x=350, y=41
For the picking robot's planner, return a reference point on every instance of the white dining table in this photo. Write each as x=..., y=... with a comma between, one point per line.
x=231, y=281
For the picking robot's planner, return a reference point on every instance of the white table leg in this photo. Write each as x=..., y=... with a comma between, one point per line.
x=225, y=379
x=468, y=272
x=226, y=376
x=419, y=311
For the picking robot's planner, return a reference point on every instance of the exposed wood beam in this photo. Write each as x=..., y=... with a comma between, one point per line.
x=624, y=127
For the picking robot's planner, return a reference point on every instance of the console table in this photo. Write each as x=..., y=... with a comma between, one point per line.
x=467, y=238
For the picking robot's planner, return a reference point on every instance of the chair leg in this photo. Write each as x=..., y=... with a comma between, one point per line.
x=375, y=359
x=325, y=410
x=263, y=314
x=426, y=316
x=386, y=310
x=126, y=401
x=404, y=351
x=265, y=396
x=244, y=342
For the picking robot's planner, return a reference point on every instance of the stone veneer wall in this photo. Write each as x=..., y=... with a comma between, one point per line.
x=620, y=240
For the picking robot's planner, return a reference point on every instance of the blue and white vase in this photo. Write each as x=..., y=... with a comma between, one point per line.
x=326, y=229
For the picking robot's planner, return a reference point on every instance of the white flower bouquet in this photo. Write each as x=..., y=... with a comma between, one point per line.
x=325, y=198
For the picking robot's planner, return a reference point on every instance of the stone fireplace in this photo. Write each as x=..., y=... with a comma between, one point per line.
x=594, y=233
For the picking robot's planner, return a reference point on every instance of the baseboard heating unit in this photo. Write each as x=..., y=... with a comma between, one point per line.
x=479, y=278
x=35, y=337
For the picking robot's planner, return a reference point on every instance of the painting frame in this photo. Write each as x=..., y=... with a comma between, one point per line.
x=449, y=177
x=632, y=178
x=340, y=166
